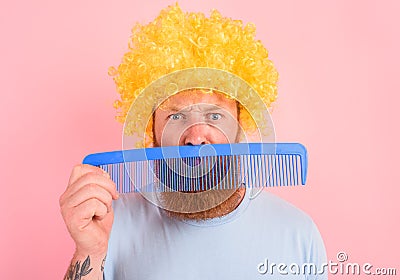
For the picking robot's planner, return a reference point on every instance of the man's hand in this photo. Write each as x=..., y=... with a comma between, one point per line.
x=86, y=206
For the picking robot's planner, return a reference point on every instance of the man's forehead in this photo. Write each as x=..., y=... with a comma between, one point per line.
x=202, y=107
x=197, y=98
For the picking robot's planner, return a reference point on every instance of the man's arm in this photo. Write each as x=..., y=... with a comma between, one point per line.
x=91, y=267
x=86, y=207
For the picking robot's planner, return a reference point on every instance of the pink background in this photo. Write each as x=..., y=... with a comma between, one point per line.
x=339, y=95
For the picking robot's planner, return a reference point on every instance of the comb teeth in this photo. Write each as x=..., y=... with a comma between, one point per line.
x=281, y=170
x=285, y=166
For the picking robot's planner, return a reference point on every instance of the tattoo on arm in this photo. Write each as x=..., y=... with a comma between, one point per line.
x=76, y=272
x=103, y=263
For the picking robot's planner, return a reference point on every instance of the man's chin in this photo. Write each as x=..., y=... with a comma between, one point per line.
x=201, y=205
x=193, y=201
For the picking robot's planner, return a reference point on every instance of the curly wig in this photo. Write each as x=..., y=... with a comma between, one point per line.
x=178, y=40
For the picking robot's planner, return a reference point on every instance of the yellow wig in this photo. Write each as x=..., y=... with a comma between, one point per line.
x=176, y=40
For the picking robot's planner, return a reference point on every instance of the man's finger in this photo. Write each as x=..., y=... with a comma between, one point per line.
x=88, y=192
x=101, y=180
x=81, y=169
x=85, y=212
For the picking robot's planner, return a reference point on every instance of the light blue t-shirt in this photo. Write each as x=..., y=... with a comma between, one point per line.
x=255, y=241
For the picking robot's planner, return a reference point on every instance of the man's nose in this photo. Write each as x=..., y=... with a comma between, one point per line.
x=196, y=135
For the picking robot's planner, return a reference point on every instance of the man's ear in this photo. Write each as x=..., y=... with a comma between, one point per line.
x=151, y=133
x=239, y=133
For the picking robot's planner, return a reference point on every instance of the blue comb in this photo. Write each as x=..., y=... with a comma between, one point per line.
x=199, y=168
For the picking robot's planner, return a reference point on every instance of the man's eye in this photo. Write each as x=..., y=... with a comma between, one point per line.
x=175, y=117
x=215, y=116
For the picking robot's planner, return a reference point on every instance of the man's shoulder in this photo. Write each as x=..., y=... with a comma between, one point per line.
x=281, y=220
x=273, y=208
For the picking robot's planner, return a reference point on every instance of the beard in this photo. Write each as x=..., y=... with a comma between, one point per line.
x=195, y=188
x=217, y=202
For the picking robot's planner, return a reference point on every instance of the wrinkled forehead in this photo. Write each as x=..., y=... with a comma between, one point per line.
x=198, y=99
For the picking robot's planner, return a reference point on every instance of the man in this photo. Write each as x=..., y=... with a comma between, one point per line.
x=237, y=237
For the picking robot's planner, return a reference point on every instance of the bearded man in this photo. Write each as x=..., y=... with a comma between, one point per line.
x=189, y=80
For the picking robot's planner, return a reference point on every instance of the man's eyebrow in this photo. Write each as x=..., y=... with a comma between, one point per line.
x=173, y=108
x=214, y=107
x=169, y=107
